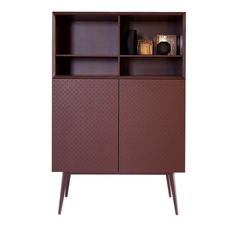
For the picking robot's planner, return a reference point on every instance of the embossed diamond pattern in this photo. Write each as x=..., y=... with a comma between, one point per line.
x=151, y=126
x=85, y=126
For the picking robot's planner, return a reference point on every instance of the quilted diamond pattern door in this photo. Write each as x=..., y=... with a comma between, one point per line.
x=151, y=115
x=85, y=125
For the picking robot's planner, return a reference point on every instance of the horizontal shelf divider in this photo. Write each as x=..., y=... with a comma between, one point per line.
x=87, y=56
x=116, y=56
x=151, y=56
x=86, y=77
x=136, y=77
x=152, y=77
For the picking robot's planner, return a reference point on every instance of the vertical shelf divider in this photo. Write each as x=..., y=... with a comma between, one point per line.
x=119, y=69
x=53, y=45
x=118, y=45
x=184, y=45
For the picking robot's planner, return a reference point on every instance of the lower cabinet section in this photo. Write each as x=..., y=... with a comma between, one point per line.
x=152, y=126
x=107, y=126
x=85, y=125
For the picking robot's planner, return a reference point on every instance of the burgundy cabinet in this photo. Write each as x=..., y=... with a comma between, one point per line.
x=115, y=112
x=151, y=129
x=85, y=126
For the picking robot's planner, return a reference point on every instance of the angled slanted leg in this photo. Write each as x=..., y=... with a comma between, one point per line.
x=67, y=185
x=63, y=185
x=168, y=184
x=173, y=189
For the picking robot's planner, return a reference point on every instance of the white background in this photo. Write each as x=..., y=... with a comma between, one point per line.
x=117, y=205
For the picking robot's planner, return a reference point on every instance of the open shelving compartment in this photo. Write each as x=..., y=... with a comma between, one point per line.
x=94, y=44
x=85, y=66
x=86, y=45
x=147, y=27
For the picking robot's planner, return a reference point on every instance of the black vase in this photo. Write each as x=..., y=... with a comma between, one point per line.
x=163, y=48
x=132, y=42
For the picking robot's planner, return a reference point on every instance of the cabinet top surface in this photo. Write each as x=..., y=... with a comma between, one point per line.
x=118, y=13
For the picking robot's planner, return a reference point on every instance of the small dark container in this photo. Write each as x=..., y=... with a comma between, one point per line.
x=132, y=42
x=163, y=48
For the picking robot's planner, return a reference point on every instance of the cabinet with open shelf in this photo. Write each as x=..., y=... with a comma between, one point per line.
x=113, y=112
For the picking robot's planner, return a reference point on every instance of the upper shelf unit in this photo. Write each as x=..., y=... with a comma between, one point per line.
x=95, y=44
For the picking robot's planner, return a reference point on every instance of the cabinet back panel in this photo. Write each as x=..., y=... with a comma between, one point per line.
x=151, y=66
x=147, y=29
x=87, y=66
x=87, y=37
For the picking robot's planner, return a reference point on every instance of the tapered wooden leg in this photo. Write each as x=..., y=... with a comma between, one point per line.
x=63, y=184
x=173, y=189
x=67, y=185
x=168, y=185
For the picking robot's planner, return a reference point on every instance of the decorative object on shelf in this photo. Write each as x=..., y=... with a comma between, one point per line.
x=145, y=47
x=163, y=48
x=132, y=42
x=166, y=44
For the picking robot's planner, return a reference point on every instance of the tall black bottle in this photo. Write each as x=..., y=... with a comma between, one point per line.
x=132, y=42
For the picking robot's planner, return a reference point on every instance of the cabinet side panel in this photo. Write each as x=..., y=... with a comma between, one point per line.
x=152, y=126
x=84, y=129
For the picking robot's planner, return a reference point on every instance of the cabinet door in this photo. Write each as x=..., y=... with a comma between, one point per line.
x=85, y=125
x=152, y=126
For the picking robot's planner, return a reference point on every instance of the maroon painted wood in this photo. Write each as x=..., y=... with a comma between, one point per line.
x=90, y=66
x=148, y=26
x=63, y=185
x=87, y=35
x=67, y=185
x=114, y=113
x=168, y=185
x=173, y=190
x=151, y=135
x=136, y=66
x=85, y=126
x=104, y=35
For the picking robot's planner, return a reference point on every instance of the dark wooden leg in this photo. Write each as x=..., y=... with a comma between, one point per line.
x=67, y=185
x=173, y=189
x=63, y=185
x=168, y=184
